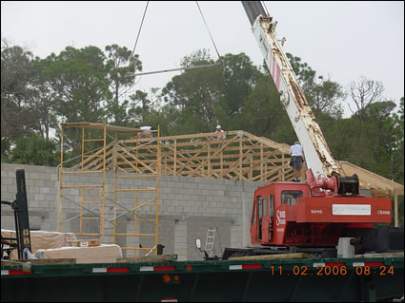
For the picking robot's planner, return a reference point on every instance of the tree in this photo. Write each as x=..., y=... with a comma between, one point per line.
x=381, y=125
x=87, y=84
x=43, y=98
x=199, y=57
x=240, y=78
x=323, y=96
x=140, y=106
x=263, y=113
x=398, y=149
x=364, y=92
x=369, y=143
x=80, y=81
x=305, y=74
x=207, y=96
x=196, y=93
x=34, y=150
x=121, y=65
x=16, y=115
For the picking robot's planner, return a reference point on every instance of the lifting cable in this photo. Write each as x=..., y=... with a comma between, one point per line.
x=208, y=30
x=179, y=68
x=140, y=28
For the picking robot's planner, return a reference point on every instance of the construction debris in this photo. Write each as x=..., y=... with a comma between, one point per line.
x=272, y=257
x=148, y=259
x=41, y=239
x=105, y=253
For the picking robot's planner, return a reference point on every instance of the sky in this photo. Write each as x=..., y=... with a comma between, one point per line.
x=341, y=40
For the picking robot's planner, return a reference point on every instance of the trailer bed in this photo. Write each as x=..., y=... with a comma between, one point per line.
x=371, y=279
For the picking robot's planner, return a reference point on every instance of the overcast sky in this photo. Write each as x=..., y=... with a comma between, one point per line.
x=342, y=40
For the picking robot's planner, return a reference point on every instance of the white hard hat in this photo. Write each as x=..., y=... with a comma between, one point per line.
x=218, y=126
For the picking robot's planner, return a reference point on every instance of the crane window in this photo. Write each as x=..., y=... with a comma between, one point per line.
x=290, y=197
x=266, y=206
x=271, y=198
x=260, y=205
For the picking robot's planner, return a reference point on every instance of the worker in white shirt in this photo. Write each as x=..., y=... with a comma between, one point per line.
x=219, y=133
x=146, y=132
x=297, y=159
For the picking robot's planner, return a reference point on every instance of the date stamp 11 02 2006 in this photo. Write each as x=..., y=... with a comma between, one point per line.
x=341, y=270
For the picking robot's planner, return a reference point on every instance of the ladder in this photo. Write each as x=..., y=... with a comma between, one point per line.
x=210, y=241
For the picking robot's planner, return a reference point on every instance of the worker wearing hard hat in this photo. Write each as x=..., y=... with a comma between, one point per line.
x=219, y=133
x=297, y=159
x=146, y=132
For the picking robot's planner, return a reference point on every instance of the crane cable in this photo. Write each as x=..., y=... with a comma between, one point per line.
x=173, y=69
x=140, y=28
x=134, y=48
x=209, y=32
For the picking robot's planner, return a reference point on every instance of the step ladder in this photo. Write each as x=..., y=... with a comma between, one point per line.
x=210, y=241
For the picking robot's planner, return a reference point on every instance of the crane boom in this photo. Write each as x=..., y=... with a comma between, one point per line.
x=317, y=153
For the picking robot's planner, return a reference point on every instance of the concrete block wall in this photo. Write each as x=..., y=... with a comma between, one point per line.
x=189, y=206
x=41, y=183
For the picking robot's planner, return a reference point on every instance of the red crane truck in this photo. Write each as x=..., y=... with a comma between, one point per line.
x=328, y=205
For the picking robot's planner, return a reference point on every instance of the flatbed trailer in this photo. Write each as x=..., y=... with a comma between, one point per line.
x=312, y=280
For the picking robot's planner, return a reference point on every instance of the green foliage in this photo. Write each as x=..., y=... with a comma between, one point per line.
x=398, y=156
x=324, y=96
x=16, y=114
x=42, y=98
x=264, y=115
x=305, y=74
x=240, y=76
x=121, y=65
x=140, y=106
x=196, y=93
x=80, y=80
x=87, y=84
x=34, y=150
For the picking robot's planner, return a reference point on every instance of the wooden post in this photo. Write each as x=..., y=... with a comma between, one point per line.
x=103, y=189
x=115, y=187
x=209, y=160
x=81, y=210
x=175, y=158
x=60, y=216
x=83, y=150
x=222, y=163
x=164, y=165
x=157, y=192
x=282, y=167
x=240, y=157
x=261, y=162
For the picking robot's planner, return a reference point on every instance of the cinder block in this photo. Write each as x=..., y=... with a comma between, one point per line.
x=44, y=190
x=207, y=200
x=190, y=185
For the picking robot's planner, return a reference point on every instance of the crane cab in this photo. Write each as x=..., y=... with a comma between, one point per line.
x=269, y=210
x=291, y=214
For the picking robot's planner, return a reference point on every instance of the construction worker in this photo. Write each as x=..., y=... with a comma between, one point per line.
x=219, y=133
x=146, y=132
x=297, y=159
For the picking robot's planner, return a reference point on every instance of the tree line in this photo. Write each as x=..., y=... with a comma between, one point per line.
x=99, y=85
